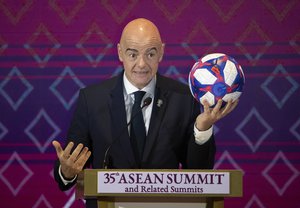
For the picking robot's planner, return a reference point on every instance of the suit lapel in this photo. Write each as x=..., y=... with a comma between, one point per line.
x=158, y=111
x=119, y=122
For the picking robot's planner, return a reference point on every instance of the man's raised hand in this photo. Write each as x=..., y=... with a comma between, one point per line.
x=71, y=163
x=211, y=115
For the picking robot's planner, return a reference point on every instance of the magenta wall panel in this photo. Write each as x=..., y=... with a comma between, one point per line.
x=51, y=48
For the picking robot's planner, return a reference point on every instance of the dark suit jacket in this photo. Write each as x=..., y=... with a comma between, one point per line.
x=100, y=119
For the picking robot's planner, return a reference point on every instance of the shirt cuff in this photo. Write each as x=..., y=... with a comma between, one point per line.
x=66, y=182
x=202, y=136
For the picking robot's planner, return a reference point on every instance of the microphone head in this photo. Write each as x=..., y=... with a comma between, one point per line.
x=147, y=101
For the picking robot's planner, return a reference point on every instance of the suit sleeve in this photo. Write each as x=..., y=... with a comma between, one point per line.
x=77, y=133
x=200, y=156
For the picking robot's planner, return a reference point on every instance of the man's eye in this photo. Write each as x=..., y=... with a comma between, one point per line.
x=132, y=55
x=151, y=55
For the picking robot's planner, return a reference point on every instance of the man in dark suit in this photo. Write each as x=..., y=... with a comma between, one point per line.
x=177, y=134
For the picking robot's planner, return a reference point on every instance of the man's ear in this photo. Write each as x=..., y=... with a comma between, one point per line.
x=162, y=50
x=120, y=52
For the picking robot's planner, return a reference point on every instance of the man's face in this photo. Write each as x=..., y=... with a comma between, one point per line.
x=140, y=57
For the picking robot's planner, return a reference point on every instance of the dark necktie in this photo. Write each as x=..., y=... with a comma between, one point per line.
x=137, y=128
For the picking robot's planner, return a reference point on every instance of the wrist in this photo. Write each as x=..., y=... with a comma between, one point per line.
x=65, y=176
x=202, y=127
x=65, y=180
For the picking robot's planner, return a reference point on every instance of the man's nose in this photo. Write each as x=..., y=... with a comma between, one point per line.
x=141, y=62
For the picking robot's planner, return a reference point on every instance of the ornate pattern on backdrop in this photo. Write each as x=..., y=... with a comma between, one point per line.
x=49, y=49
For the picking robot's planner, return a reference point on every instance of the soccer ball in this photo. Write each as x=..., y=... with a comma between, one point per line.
x=216, y=76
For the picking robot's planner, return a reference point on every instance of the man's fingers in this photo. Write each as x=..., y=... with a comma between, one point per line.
x=233, y=105
x=57, y=147
x=217, y=107
x=76, y=152
x=68, y=149
x=205, y=106
x=82, y=159
x=230, y=106
x=83, y=152
x=227, y=107
x=219, y=104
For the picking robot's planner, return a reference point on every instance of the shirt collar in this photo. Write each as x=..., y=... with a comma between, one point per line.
x=130, y=88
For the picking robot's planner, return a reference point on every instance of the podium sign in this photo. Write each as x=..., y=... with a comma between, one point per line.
x=158, y=182
x=159, y=188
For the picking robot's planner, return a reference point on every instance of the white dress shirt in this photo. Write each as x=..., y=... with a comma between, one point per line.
x=129, y=89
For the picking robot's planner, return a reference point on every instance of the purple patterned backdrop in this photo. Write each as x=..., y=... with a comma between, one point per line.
x=50, y=48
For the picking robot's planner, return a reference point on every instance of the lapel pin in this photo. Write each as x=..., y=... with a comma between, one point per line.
x=159, y=103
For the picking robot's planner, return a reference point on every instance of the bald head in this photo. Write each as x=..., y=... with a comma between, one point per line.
x=141, y=29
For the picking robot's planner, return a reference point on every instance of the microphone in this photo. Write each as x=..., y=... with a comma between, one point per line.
x=146, y=102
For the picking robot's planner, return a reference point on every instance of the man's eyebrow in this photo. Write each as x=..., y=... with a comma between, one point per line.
x=135, y=50
x=131, y=49
x=153, y=48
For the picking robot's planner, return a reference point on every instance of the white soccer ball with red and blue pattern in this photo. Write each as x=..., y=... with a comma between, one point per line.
x=216, y=76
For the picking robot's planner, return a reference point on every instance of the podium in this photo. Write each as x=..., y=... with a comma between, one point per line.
x=159, y=188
